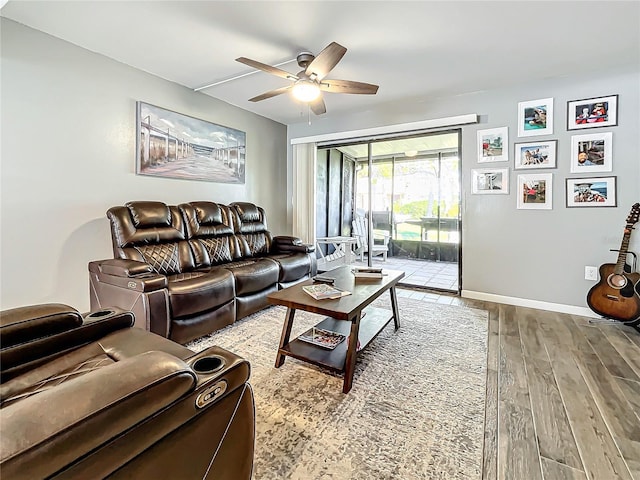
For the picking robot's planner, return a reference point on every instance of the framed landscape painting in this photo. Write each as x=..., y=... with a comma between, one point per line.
x=591, y=153
x=592, y=112
x=591, y=192
x=490, y=181
x=493, y=145
x=535, y=117
x=532, y=155
x=535, y=191
x=173, y=145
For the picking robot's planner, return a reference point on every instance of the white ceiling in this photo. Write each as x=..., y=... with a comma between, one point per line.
x=414, y=50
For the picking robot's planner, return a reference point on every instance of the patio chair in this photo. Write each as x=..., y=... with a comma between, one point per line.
x=360, y=231
x=342, y=253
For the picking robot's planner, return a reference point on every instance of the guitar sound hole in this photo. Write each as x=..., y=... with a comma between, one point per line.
x=617, y=281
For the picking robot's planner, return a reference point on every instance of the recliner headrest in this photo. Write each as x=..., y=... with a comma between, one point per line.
x=207, y=213
x=248, y=211
x=204, y=219
x=149, y=214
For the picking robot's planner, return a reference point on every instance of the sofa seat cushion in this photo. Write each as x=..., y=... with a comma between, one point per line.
x=253, y=275
x=195, y=292
x=293, y=266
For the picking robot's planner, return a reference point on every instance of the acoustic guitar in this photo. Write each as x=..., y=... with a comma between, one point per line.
x=617, y=294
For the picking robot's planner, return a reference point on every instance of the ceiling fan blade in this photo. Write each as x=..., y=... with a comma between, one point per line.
x=348, y=86
x=270, y=93
x=267, y=68
x=326, y=60
x=317, y=106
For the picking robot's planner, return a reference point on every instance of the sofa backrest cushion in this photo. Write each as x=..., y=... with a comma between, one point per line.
x=251, y=228
x=150, y=214
x=151, y=232
x=206, y=219
x=177, y=239
x=210, y=232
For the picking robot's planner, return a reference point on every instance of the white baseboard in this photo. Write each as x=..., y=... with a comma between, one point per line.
x=525, y=302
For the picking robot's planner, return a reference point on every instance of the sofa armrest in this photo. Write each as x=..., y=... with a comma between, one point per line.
x=286, y=244
x=125, y=268
x=30, y=352
x=130, y=274
x=68, y=421
x=23, y=324
x=146, y=295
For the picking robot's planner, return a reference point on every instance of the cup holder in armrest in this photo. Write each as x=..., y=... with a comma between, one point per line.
x=100, y=314
x=208, y=364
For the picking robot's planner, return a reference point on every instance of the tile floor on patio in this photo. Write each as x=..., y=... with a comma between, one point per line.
x=421, y=273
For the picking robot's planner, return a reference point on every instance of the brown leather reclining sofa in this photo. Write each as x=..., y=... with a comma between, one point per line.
x=88, y=397
x=188, y=270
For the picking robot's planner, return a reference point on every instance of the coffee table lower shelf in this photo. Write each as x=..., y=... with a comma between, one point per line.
x=371, y=324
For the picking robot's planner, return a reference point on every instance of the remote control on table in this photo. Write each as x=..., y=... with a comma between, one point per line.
x=322, y=279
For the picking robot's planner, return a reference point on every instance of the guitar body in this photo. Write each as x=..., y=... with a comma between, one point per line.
x=612, y=302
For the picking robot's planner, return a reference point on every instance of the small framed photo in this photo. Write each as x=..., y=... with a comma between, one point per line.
x=533, y=155
x=493, y=145
x=591, y=153
x=535, y=191
x=535, y=117
x=592, y=112
x=591, y=192
x=490, y=181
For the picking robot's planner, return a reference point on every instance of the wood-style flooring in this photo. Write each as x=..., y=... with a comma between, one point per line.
x=563, y=395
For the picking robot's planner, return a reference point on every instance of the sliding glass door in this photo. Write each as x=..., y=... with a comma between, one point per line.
x=407, y=190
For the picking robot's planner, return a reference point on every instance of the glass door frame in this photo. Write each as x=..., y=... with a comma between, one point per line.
x=369, y=141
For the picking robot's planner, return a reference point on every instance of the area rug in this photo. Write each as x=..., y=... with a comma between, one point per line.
x=415, y=411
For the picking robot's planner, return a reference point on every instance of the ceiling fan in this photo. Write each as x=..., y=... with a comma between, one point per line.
x=308, y=83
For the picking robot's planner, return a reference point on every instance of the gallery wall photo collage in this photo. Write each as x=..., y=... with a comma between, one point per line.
x=590, y=158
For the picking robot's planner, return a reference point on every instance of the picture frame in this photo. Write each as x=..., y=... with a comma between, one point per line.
x=173, y=145
x=535, y=191
x=535, y=117
x=493, y=145
x=490, y=181
x=592, y=152
x=534, y=155
x=593, y=112
x=591, y=192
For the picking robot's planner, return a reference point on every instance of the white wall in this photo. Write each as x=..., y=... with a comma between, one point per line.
x=537, y=255
x=68, y=154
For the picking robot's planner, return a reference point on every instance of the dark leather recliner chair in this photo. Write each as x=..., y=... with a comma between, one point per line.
x=87, y=396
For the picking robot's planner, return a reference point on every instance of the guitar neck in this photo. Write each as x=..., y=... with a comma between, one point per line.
x=624, y=247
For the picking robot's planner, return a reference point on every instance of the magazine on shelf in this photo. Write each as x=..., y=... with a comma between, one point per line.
x=322, y=291
x=322, y=338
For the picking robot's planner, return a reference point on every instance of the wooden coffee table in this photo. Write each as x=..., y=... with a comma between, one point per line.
x=351, y=315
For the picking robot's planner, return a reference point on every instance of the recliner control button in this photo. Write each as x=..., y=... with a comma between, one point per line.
x=209, y=394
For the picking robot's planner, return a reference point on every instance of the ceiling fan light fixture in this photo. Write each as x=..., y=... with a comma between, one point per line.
x=307, y=85
x=306, y=90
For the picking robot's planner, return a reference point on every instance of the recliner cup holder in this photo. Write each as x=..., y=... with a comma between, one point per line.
x=100, y=313
x=209, y=364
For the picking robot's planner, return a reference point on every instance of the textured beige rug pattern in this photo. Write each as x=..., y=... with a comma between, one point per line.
x=415, y=411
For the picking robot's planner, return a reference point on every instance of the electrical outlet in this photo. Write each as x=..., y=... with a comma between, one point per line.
x=591, y=273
